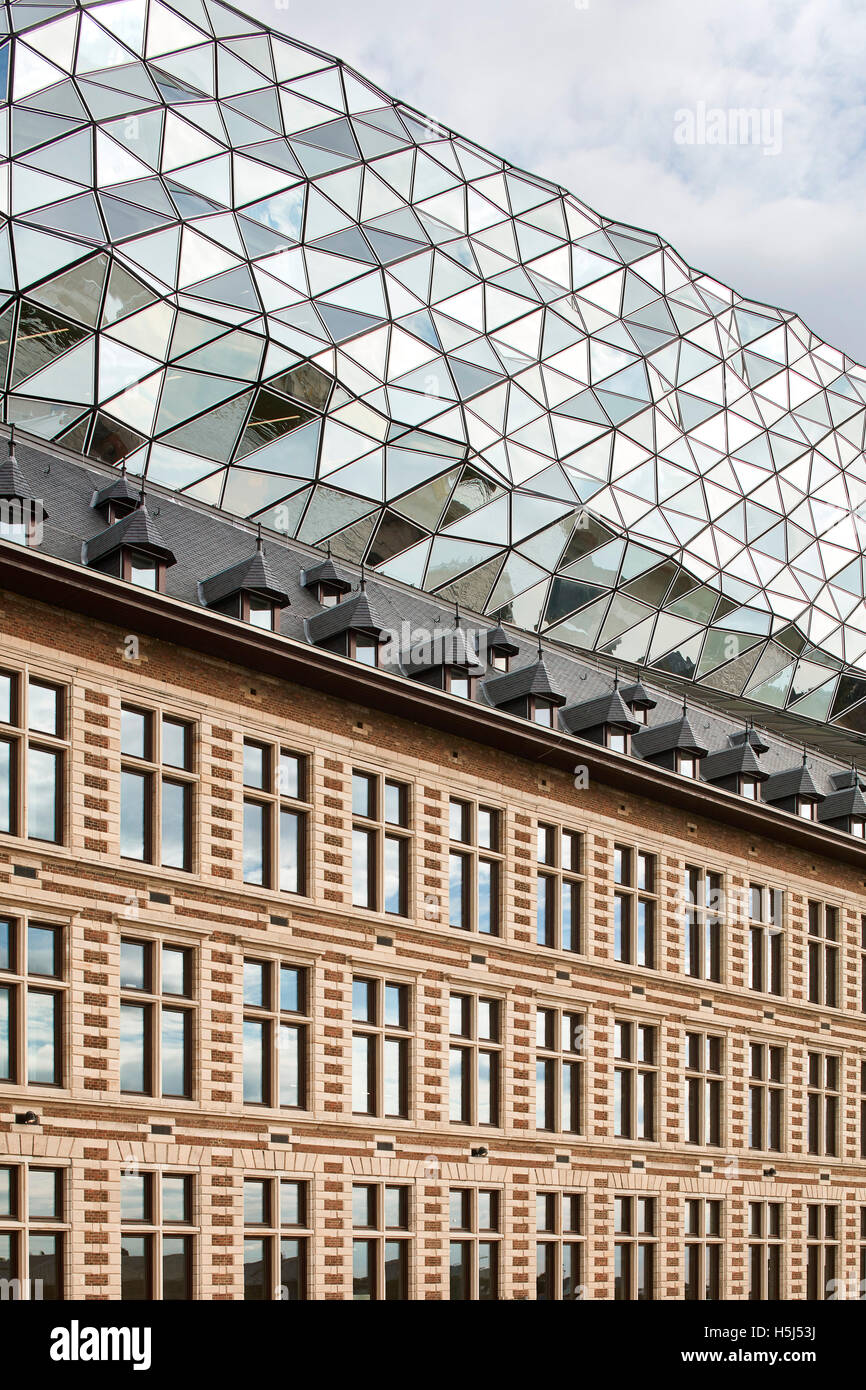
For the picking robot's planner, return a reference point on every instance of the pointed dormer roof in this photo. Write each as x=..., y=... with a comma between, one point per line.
x=253, y=575
x=534, y=679
x=638, y=697
x=358, y=614
x=609, y=711
x=13, y=485
x=325, y=572
x=792, y=782
x=137, y=530
x=121, y=491
x=676, y=736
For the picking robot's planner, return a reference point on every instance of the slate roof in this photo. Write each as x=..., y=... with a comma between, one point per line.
x=610, y=710
x=741, y=759
x=356, y=614
x=677, y=736
x=534, y=679
x=136, y=529
x=251, y=576
x=793, y=781
x=205, y=542
x=325, y=572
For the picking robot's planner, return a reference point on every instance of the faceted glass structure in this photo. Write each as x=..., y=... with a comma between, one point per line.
x=228, y=260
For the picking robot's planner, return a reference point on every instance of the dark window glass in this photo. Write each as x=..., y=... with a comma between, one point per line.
x=136, y=1267
x=176, y=1271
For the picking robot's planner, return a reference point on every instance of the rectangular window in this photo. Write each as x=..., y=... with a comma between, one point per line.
x=475, y=1058
x=765, y=938
x=634, y=906
x=824, y=955
x=380, y=844
x=156, y=788
x=381, y=1039
x=634, y=1249
x=766, y=1088
x=822, y=1251
x=275, y=1034
x=474, y=1247
x=559, y=1246
x=823, y=1101
x=33, y=1231
x=33, y=753
x=635, y=1080
x=32, y=990
x=157, y=1236
x=559, y=1043
x=276, y=817
x=704, y=904
x=474, y=867
x=277, y=1236
x=765, y=1251
x=381, y=1243
x=559, y=889
x=703, y=1252
x=703, y=1088
x=157, y=1017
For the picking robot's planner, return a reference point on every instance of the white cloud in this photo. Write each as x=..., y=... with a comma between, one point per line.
x=588, y=97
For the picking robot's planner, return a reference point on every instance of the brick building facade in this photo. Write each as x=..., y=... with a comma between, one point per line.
x=98, y=1136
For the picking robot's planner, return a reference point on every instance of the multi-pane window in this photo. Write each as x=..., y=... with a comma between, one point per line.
x=381, y=1241
x=474, y=1219
x=863, y=963
x=156, y=788
x=704, y=1088
x=765, y=938
x=559, y=1044
x=559, y=1257
x=824, y=1072
x=766, y=1072
x=156, y=1018
x=475, y=1058
x=31, y=1003
x=635, y=1080
x=32, y=1229
x=276, y=1239
x=559, y=887
x=276, y=816
x=32, y=753
x=380, y=1048
x=474, y=867
x=276, y=1033
x=380, y=843
x=822, y=1250
x=634, y=1224
x=823, y=954
x=634, y=906
x=863, y=1109
x=765, y=1251
x=703, y=923
x=703, y=1249
x=156, y=1235
x=862, y=1290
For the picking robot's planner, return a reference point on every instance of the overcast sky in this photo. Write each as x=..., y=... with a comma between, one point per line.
x=587, y=92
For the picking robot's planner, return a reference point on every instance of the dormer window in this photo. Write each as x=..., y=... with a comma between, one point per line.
x=329, y=595
x=858, y=827
x=363, y=647
x=140, y=569
x=618, y=740
x=687, y=765
x=14, y=523
x=259, y=611
x=500, y=661
x=541, y=711
x=641, y=714
x=459, y=682
x=806, y=809
x=749, y=788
